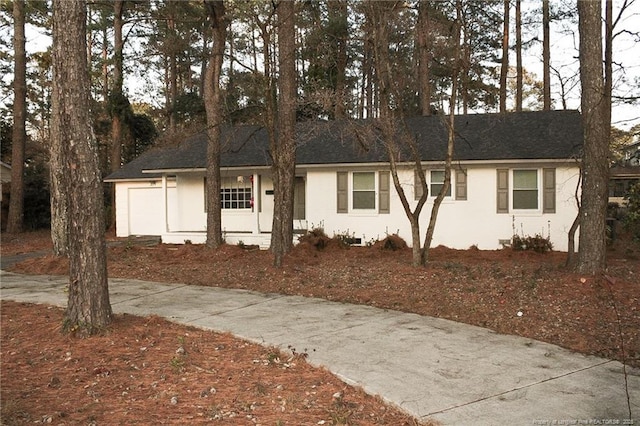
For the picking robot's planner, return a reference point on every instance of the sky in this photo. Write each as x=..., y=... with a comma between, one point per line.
x=564, y=57
x=564, y=41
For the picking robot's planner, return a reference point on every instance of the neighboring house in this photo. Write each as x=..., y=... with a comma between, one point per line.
x=624, y=174
x=513, y=173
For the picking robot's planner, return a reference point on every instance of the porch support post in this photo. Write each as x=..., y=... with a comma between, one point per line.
x=256, y=202
x=165, y=203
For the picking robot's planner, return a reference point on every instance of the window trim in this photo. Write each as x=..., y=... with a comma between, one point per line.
x=513, y=190
x=247, y=187
x=458, y=183
x=374, y=191
x=381, y=192
x=433, y=193
x=545, y=186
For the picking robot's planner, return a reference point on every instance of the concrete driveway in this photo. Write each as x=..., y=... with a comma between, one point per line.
x=453, y=373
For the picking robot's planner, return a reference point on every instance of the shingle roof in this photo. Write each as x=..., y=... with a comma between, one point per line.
x=534, y=135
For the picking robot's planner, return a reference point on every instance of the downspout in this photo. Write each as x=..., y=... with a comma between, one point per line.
x=256, y=201
x=165, y=203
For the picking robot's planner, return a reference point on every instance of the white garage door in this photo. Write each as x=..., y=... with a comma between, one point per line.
x=145, y=211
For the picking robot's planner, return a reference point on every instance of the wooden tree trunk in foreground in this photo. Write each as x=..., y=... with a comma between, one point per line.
x=595, y=168
x=284, y=161
x=88, y=308
x=214, y=109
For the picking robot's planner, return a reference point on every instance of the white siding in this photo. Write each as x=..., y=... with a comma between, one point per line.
x=460, y=224
x=192, y=216
x=139, y=208
x=191, y=213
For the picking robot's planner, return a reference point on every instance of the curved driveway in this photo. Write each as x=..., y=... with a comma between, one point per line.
x=453, y=373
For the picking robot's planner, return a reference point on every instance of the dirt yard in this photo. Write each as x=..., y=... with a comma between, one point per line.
x=139, y=368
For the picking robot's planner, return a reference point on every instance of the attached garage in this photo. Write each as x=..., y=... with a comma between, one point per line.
x=140, y=208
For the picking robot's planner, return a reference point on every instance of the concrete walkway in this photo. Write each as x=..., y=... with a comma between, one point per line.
x=432, y=368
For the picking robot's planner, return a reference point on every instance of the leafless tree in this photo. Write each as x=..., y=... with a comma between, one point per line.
x=392, y=123
x=451, y=135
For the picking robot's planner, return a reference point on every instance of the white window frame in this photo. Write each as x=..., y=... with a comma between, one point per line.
x=538, y=190
x=433, y=193
x=352, y=190
x=230, y=186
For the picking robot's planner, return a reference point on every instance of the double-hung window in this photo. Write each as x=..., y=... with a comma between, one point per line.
x=364, y=191
x=525, y=189
x=437, y=182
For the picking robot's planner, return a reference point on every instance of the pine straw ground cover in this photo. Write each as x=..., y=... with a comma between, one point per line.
x=149, y=371
x=521, y=293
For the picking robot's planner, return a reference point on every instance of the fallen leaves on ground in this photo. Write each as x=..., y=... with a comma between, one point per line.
x=151, y=371
x=521, y=293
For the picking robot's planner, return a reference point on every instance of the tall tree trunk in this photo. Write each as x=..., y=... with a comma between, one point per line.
x=59, y=201
x=285, y=152
x=116, y=100
x=504, y=68
x=15, y=221
x=424, y=58
x=214, y=109
x=464, y=81
x=205, y=58
x=60, y=209
x=173, y=77
x=450, y=140
x=88, y=307
x=105, y=66
x=368, y=75
x=519, y=69
x=339, y=14
x=595, y=170
x=546, y=57
x=270, y=101
x=608, y=64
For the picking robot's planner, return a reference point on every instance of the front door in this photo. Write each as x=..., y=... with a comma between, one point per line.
x=265, y=192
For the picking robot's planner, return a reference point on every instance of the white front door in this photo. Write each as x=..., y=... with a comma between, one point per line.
x=266, y=204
